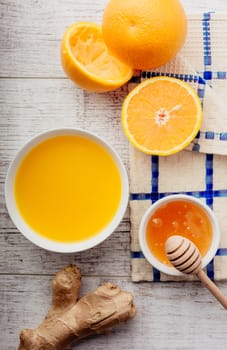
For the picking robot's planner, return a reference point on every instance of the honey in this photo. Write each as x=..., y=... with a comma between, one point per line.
x=178, y=217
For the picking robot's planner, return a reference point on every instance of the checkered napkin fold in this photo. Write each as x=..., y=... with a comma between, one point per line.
x=202, y=172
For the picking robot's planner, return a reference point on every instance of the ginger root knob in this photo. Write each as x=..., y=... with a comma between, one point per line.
x=71, y=318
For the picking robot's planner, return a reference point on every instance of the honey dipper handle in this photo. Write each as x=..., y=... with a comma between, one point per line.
x=212, y=288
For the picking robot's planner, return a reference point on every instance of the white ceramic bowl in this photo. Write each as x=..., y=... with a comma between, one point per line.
x=33, y=236
x=150, y=211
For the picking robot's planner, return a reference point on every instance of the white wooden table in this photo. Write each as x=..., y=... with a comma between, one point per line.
x=35, y=95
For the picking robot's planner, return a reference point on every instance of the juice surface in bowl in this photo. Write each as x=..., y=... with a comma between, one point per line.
x=68, y=188
x=179, y=217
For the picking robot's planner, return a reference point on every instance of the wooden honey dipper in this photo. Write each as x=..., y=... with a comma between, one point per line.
x=185, y=257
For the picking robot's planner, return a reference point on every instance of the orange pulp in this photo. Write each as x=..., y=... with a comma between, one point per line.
x=178, y=218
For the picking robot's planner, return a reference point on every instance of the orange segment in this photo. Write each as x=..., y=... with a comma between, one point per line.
x=87, y=61
x=161, y=116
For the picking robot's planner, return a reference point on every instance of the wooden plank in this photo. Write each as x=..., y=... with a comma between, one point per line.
x=20, y=256
x=173, y=316
x=31, y=106
x=31, y=32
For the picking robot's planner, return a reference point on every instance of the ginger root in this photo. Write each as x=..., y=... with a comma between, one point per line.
x=71, y=318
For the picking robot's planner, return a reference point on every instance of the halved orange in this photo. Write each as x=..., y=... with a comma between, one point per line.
x=161, y=115
x=87, y=61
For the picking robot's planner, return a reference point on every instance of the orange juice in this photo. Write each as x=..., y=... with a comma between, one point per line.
x=68, y=188
x=178, y=218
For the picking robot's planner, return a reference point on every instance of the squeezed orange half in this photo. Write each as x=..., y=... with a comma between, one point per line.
x=68, y=188
x=87, y=61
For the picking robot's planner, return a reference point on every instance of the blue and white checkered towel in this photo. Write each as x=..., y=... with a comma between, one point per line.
x=203, y=173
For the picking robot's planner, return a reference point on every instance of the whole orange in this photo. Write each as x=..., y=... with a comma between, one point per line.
x=144, y=33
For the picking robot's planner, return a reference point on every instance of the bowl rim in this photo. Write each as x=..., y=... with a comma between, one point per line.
x=142, y=232
x=35, y=237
